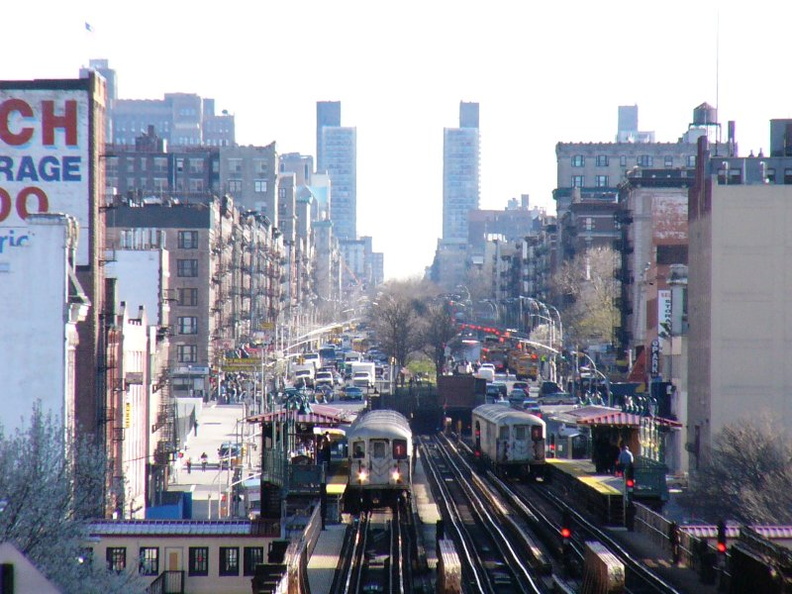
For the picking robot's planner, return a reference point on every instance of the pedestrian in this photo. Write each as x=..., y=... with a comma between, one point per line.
x=189, y=465
x=625, y=459
x=673, y=539
x=204, y=459
x=195, y=428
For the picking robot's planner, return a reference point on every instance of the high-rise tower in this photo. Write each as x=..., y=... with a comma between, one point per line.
x=336, y=155
x=461, y=184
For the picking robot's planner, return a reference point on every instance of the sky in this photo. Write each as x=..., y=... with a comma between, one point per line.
x=542, y=73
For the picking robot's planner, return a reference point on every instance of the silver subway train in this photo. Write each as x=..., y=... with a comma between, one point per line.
x=510, y=440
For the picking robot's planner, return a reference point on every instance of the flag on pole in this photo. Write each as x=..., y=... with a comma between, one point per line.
x=88, y=27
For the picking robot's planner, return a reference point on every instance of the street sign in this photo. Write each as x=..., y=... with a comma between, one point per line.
x=654, y=361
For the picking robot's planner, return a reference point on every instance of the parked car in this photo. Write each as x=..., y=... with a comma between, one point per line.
x=352, y=393
x=229, y=453
x=531, y=405
x=551, y=393
x=521, y=385
x=518, y=393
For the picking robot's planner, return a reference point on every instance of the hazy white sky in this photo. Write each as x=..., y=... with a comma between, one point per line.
x=542, y=72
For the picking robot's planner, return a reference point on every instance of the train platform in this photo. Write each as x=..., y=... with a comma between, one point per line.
x=324, y=559
x=428, y=512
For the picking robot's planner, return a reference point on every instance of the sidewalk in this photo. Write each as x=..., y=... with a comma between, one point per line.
x=218, y=423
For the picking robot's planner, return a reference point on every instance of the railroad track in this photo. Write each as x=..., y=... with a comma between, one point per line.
x=493, y=551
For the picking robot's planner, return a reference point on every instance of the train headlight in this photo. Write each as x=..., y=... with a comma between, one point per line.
x=396, y=475
x=362, y=476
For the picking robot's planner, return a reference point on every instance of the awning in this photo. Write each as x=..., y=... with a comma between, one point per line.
x=313, y=418
x=622, y=419
x=638, y=371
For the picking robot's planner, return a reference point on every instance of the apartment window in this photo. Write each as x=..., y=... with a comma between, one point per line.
x=788, y=176
x=578, y=161
x=188, y=240
x=229, y=560
x=260, y=166
x=623, y=160
x=644, y=160
x=577, y=181
x=668, y=162
x=771, y=176
x=161, y=164
x=116, y=558
x=195, y=185
x=199, y=561
x=602, y=160
x=235, y=165
x=601, y=181
x=188, y=297
x=186, y=268
x=160, y=184
x=187, y=353
x=253, y=556
x=188, y=325
x=234, y=185
x=691, y=160
x=260, y=186
x=196, y=166
x=143, y=163
x=180, y=164
x=149, y=560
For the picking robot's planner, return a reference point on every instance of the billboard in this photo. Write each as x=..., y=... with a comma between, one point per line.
x=44, y=161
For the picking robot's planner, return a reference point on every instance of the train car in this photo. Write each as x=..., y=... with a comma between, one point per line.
x=510, y=440
x=380, y=459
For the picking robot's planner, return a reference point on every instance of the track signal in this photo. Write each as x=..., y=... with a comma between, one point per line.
x=566, y=534
x=721, y=537
x=629, y=480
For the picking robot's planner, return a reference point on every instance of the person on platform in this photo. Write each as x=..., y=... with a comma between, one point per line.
x=625, y=459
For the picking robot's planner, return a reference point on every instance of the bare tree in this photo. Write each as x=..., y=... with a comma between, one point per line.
x=588, y=284
x=748, y=476
x=46, y=483
x=439, y=329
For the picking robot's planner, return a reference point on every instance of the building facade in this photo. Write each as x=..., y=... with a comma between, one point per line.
x=461, y=179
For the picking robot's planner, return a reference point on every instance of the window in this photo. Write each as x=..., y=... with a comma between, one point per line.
x=537, y=433
x=180, y=164
x=672, y=254
x=149, y=560
x=691, y=161
x=196, y=185
x=188, y=325
x=188, y=240
x=602, y=160
x=668, y=161
x=186, y=268
x=577, y=181
x=234, y=185
x=578, y=161
x=520, y=432
x=260, y=166
x=770, y=175
x=188, y=297
x=378, y=449
x=503, y=432
x=116, y=558
x=196, y=166
x=644, y=160
x=253, y=556
x=359, y=449
x=260, y=186
x=187, y=353
x=601, y=181
x=229, y=560
x=623, y=160
x=199, y=561
x=235, y=165
x=788, y=175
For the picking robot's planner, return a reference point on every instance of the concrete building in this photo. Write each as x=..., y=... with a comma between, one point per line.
x=336, y=155
x=43, y=303
x=738, y=293
x=249, y=174
x=182, y=119
x=461, y=162
x=21, y=574
x=63, y=124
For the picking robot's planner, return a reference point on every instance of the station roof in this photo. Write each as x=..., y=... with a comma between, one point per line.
x=312, y=418
x=623, y=419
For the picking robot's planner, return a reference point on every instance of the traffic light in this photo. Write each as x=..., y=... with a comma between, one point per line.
x=721, y=536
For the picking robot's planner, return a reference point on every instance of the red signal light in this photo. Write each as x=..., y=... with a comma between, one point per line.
x=630, y=483
x=566, y=533
x=721, y=547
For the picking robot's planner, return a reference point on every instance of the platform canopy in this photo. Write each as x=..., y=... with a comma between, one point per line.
x=311, y=418
x=623, y=419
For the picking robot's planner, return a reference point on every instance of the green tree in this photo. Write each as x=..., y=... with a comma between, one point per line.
x=747, y=475
x=46, y=483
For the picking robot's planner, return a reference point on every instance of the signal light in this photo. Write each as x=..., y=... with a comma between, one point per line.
x=566, y=533
x=566, y=525
x=721, y=537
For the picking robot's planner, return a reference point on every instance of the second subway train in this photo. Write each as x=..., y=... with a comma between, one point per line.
x=510, y=440
x=380, y=449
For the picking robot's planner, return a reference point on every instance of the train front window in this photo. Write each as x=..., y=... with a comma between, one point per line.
x=399, y=449
x=359, y=449
x=503, y=432
x=520, y=432
x=378, y=449
x=537, y=433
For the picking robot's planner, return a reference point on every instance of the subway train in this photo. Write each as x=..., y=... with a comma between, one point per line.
x=380, y=450
x=509, y=440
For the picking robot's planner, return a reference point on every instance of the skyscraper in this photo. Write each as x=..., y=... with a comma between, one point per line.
x=461, y=183
x=336, y=154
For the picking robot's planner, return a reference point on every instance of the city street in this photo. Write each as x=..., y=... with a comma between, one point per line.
x=217, y=424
